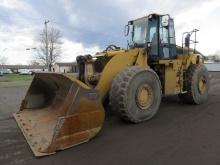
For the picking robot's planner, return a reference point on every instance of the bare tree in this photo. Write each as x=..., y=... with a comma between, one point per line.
x=34, y=62
x=50, y=40
x=3, y=60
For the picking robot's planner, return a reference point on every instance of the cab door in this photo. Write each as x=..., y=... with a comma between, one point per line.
x=167, y=42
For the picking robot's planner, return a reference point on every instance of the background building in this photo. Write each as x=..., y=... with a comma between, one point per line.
x=65, y=67
x=17, y=68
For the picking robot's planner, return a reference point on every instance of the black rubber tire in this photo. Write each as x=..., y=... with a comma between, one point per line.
x=123, y=89
x=191, y=81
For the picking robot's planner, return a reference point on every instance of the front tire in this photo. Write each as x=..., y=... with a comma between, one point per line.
x=136, y=94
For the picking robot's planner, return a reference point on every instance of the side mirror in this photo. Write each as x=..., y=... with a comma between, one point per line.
x=126, y=30
x=165, y=20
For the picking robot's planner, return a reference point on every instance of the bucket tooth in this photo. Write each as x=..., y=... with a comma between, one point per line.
x=59, y=112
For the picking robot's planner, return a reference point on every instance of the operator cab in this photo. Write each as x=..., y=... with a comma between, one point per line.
x=155, y=33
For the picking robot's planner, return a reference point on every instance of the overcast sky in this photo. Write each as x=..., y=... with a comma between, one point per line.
x=90, y=25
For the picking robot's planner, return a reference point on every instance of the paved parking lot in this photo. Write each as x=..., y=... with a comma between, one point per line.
x=179, y=134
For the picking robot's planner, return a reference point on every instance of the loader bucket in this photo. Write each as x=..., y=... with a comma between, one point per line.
x=59, y=112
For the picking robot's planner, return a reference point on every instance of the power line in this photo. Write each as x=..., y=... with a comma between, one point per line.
x=19, y=17
x=39, y=19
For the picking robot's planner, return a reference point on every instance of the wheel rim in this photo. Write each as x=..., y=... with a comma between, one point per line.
x=144, y=96
x=202, y=85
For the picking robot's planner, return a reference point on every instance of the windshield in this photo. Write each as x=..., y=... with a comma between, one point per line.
x=139, y=31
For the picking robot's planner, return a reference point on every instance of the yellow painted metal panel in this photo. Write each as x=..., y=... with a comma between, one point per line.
x=114, y=66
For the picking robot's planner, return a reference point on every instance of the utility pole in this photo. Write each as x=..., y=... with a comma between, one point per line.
x=47, y=56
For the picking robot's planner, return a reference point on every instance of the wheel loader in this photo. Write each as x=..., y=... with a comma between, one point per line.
x=63, y=110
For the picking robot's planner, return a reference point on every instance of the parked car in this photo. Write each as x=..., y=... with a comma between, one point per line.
x=24, y=72
x=6, y=71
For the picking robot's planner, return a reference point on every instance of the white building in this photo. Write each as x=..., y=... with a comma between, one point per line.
x=65, y=67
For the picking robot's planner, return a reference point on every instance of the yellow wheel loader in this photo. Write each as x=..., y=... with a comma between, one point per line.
x=63, y=110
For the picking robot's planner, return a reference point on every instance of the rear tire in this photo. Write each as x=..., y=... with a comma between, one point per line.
x=196, y=84
x=136, y=94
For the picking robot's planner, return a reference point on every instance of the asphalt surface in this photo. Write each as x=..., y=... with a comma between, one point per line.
x=179, y=134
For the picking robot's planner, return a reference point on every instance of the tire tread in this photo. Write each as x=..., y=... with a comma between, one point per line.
x=118, y=90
